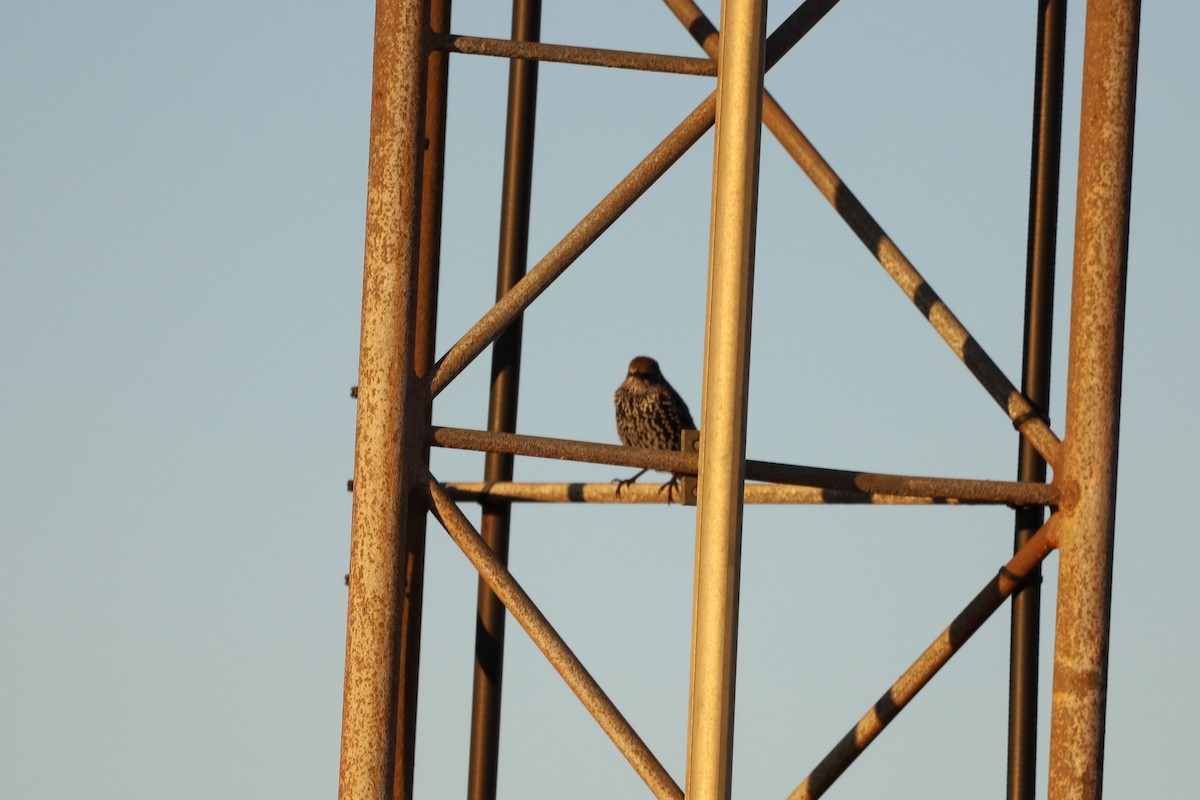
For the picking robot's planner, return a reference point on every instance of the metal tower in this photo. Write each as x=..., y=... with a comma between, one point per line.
x=400, y=377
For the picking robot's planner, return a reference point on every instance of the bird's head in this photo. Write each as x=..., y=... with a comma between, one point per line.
x=644, y=368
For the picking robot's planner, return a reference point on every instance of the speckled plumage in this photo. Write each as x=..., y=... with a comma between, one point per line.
x=650, y=413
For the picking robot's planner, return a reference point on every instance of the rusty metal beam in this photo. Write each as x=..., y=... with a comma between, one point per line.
x=571, y=54
x=560, y=656
x=387, y=440
x=964, y=489
x=1093, y=399
x=961, y=489
x=1011, y=576
x=562, y=449
x=1027, y=418
x=428, y=262
x=755, y=493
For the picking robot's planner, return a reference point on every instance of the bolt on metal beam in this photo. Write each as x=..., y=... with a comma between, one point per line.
x=388, y=397
x=1093, y=399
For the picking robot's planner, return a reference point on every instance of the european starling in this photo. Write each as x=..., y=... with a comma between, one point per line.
x=650, y=413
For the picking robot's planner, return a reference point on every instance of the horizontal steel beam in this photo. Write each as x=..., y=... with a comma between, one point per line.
x=571, y=54
x=960, y=489
x=651, y=492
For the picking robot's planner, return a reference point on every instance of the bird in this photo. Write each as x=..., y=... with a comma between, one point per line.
x=650, y=413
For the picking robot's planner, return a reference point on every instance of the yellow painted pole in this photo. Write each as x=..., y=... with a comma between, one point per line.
x=723, y=408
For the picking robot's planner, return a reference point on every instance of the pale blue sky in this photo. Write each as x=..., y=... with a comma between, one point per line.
x=181, y=214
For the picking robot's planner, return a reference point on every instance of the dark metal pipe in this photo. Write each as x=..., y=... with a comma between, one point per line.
x=502, y=403
x=1035, y=385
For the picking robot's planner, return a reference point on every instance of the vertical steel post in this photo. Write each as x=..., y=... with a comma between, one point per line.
x=502, y=403
x=1035, y=384
x=1093, y=400
x=723, y=414
x=387, y=396
x=424, y=353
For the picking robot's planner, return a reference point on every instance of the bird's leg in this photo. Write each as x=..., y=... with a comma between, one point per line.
x=621, y=484
x=670, y=486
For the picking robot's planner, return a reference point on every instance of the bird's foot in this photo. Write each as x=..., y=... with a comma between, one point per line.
x=621, y=484
x=670, y=487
